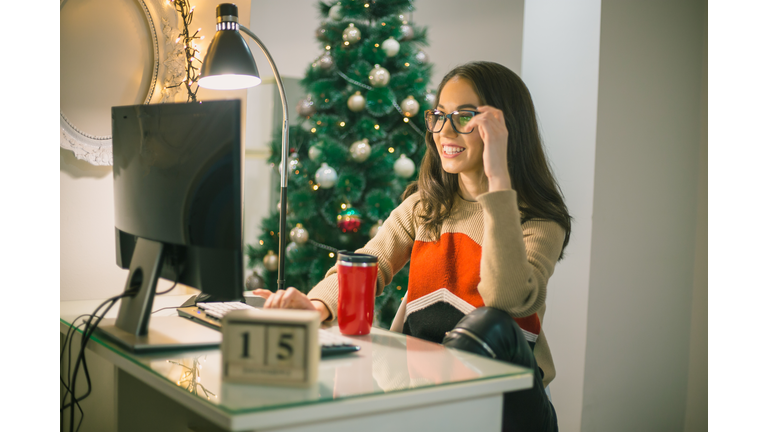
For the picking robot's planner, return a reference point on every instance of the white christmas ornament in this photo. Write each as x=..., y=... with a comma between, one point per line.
x=378, y=77
x=299, y=234
x=351, y=34
x=404, y=167
x=335, y=12
x=360, y=150
x=410, y=106
x=391, y=47
x=315, y=153
x=356, y=102
x=326, y=176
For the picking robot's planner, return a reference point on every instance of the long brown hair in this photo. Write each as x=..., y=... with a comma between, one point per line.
x=538, y=194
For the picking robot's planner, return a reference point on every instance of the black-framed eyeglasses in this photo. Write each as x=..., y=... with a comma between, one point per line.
x=435, y=120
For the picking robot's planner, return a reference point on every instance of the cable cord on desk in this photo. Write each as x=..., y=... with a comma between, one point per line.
x=70, y=385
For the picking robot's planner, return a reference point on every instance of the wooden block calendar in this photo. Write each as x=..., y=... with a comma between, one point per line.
x=271, y=346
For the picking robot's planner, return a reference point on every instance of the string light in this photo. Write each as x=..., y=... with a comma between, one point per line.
x=376, y=127
x=405, y=120
x=331, y=255
x=391, y=150
x=342, y=124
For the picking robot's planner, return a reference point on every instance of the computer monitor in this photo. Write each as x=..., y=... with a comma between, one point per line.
x=178, y=209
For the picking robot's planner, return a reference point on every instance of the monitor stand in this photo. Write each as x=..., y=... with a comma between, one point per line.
x=133, y=330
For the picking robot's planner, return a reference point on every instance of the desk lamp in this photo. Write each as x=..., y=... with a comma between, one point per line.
x=229, y=65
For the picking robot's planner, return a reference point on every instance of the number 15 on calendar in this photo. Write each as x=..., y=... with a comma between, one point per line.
x=271, y=346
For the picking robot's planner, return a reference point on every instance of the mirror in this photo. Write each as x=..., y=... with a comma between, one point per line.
x=112, y=53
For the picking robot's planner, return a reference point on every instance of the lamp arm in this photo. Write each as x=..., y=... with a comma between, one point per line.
x=283, y=162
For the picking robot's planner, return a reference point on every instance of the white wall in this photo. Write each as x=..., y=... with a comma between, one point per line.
x=644, y=219
x=561, y=44
x=457, y=31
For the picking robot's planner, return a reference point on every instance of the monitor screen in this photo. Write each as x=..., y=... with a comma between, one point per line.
x=178, y=182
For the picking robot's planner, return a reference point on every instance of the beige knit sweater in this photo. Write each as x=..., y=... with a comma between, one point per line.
x=515, y=264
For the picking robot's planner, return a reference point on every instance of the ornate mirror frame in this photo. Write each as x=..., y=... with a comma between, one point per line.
x=98, y=149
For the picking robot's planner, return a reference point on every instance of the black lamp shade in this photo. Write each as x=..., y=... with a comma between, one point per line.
x=228, y=64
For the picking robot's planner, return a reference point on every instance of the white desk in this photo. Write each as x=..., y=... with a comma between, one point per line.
x=395, y=382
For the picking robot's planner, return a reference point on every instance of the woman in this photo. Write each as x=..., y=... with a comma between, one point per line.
x=483, y=228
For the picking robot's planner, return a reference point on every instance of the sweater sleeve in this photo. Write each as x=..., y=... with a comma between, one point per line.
x=392, y=245
x=517, y=261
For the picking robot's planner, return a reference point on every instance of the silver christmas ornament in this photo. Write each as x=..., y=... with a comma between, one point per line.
x=270, y=261
x=306, y=107
x=410, y=106
x=356, y=102
x=326, y=176
x=299, y=234
x=325, y=61
x=290, y=249
x=254, y=282
x=406, y=32
x=375, y=229
x=315, y=153
x=335, y=13
x=321, y=33
x=391, y=47
x=351, y=34
x=404, y=167
x=360, y=150
x=431, y=99
x=378, y=77
x=422, y=57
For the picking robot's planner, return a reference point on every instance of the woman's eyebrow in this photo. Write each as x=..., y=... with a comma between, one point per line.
x=459, y=107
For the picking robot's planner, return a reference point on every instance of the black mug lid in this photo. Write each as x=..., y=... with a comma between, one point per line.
x=352, y=257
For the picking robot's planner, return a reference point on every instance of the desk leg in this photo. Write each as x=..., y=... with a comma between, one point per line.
x=142, y=408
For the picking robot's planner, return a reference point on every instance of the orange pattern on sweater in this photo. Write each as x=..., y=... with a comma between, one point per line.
x=453, y=262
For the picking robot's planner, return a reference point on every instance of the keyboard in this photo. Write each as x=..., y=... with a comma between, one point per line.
x=210, y=315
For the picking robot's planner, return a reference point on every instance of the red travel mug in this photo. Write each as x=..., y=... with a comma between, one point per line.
x=357, y=290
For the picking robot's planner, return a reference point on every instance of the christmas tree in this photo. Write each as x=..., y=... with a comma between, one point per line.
x=353, y=153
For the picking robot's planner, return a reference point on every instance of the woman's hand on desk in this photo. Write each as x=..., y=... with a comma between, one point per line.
x=292, y=299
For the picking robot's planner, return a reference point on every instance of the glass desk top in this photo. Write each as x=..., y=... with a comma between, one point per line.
x=388, y=362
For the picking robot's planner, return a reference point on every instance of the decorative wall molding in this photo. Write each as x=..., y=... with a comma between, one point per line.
x=97, y=150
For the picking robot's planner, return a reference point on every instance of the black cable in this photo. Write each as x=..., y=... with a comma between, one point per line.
x=70, y=333
x=169, y=289
x=90, y=327
x=174, y=282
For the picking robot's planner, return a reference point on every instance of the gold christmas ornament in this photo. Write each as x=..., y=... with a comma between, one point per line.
x=351, y=34
x=410, y=106
x=356, y=102
x=360, y=150
x=270, y=261
x=299, y=234
x=378, y=77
